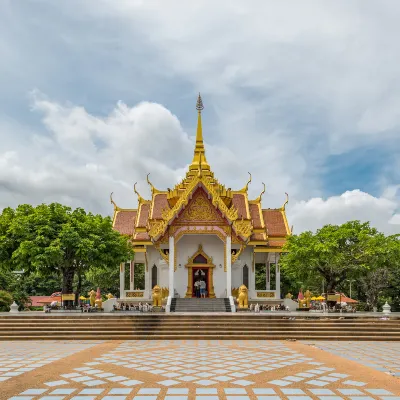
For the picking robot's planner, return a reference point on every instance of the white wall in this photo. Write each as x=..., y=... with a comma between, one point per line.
x=212, y=246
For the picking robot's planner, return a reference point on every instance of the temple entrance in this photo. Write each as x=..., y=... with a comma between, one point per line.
x=200, y=273
x=199, y=267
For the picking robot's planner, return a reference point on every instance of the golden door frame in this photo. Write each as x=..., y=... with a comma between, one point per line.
x=208, y=265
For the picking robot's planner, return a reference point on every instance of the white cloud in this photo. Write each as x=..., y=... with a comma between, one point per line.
x=285, y=86
x=351, y=205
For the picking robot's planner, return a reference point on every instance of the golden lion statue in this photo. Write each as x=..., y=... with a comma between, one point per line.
x=243, y=298
x=157, y=296
x=92, y=297
x=110, y=296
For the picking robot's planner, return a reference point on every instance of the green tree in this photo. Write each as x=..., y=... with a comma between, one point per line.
x=335, y=253
x=55, y=240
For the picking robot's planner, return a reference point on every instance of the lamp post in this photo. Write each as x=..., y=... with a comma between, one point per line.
x=351, y=281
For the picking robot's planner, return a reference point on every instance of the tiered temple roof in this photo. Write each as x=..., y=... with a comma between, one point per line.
x=253, y=225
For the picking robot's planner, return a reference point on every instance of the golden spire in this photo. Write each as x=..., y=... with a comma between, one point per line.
x=116, y=208
x=245, y=189
x=199, y=148
x=286, y=201
x=258, y=199
x=140, y=198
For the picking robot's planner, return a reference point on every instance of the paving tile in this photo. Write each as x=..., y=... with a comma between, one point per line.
x=91, y=391
x=243, y=382
x=280, y=382
x=379, y=392
x=169, y=382
x=235, y=391
x=56, y=383
x=34, y=391
x=62, y=391
x=178, y=391
x=354, y=383
x=95, y=382
x=120, y=391
x=149, y=391
x=323, y=392
x=350, y=392
x=292, y=391
x=264, y=391
x=317, y=382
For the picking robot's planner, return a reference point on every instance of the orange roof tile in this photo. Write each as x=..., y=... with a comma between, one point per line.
x=125, y=222
x=255, y=215
x=274, y=222
x=142, y=236
x=143, y=215
x=257, y=237
x=239, y=202
x=159, y=204
x=276, y=243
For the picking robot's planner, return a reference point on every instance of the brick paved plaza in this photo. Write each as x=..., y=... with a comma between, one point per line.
x=204, y=370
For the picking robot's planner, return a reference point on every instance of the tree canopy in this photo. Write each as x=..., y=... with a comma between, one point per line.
x=54, y=240
x=337, y=252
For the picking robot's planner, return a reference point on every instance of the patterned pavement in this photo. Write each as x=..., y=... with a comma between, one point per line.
x=185, y=370
x=382, y=356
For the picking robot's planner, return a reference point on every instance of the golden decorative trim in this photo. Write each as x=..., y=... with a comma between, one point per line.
x=157, y=228
x=225, y=259
x=175, y=254
x=269, y=295
x=238, y=253
x=134, y=294
x=162, y=254
x=153, y=189
x=268, y=250
x=243, y=228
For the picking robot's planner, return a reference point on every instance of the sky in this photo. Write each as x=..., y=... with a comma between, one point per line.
x=305, y=95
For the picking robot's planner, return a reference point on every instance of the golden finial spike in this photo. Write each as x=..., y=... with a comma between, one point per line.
x=246, y=187
x=113, y=202
x=199, y=104
x=286, y=201
x=140, y=198
x=262, y=192
x=153, y=189
x=199, y=148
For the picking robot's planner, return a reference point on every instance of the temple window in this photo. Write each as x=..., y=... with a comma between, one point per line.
x=139, y=276
x=127, y=275
x=246, y=275
x=272, y=269
x=200, y=259
x=154, y=276
x=261, y=276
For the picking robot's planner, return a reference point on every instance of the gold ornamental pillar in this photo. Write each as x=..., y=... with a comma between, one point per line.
x=211, y=293
x=189, y=292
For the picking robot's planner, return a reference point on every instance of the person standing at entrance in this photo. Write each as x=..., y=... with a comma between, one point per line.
x=203, y=288
x=197, y=288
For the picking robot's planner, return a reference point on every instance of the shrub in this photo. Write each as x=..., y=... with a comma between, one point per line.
x=5, y=300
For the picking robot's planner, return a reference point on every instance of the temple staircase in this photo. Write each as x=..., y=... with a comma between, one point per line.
x=216, y=326
x=200, y=305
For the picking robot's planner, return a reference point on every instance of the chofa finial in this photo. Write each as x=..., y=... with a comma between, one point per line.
x=140, y=198
x=113, y=202
x=262, y=192
x=286, y=201
x=199, y=104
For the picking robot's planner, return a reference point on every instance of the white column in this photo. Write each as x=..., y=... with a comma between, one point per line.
x=277, y=279
x=132, y=275
x=171, y=266
x=121, y=280
x=228, y=267
x=268, y=273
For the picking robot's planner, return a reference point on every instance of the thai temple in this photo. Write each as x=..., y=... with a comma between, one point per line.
x=202, y=229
